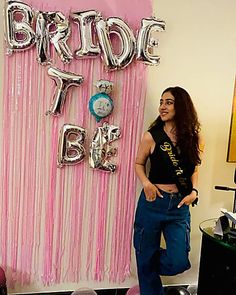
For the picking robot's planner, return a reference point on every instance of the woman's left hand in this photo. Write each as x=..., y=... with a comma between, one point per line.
x=189, y=199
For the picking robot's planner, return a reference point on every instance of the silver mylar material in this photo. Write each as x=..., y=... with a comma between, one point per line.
x=42, y=37
x=101, y=149
x=146, y=41
x=115, y=25
x=86, y=24
x=60, y=35
x=104, y=86
x=19, y=34
x=108, y=56
x=128, y=42
x=70, y=148
x=63, y=81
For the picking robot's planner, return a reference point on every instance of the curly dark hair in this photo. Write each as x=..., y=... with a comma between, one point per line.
x=186, y=123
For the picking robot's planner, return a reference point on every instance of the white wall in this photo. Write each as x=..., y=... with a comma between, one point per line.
x=198, y=53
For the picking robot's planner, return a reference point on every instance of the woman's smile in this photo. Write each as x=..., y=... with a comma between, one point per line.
x=166, y=108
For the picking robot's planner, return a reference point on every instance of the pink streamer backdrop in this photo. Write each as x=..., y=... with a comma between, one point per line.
x=64, y=225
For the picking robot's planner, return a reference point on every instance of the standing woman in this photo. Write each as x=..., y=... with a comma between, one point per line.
x=173, y=146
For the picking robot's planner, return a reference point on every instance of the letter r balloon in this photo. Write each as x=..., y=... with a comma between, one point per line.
x=58, y=36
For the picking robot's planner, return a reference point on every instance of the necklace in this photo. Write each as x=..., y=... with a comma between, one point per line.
x=171, y=134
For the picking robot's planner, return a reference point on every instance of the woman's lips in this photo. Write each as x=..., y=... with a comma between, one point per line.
x=163, y=113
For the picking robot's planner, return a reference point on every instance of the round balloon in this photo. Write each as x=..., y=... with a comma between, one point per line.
x=100, y=106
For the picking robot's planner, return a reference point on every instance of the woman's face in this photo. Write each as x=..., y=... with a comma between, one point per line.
x=167, y=107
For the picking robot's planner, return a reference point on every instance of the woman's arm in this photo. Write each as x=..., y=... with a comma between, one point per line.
x=145, y=149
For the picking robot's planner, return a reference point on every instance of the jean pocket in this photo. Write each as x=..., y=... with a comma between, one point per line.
x=138, y=237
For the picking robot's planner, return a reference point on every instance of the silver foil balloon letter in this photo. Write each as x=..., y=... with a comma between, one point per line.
x=101, y=149
x=60, y=36
x=146, y=41
x=18, y=32
x=63, y=81
x=70, y=149
x=86, y=23
x=43, y=42
x=115, y=25
x=53, y=27
x=109, y=58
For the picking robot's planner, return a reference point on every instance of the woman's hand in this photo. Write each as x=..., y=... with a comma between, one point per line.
x=151, y=191
x=189, y=199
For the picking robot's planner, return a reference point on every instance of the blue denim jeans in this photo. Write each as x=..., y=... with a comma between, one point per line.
x=152, y=219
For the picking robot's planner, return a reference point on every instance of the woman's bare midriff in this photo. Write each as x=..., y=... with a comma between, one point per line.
x=169, y=188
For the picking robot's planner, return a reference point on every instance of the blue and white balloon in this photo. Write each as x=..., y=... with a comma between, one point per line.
x=100, y=106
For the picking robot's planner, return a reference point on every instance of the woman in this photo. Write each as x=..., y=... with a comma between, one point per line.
x=172, y=145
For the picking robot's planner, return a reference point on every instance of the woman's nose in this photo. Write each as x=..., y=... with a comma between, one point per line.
x=162, y=106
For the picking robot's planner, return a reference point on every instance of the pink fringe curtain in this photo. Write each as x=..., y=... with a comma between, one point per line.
x=72, y=223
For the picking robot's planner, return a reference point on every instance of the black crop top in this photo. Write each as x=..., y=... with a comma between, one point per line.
x=160, y=172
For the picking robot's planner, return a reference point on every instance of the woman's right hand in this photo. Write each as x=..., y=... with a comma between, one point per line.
x=151, y=191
